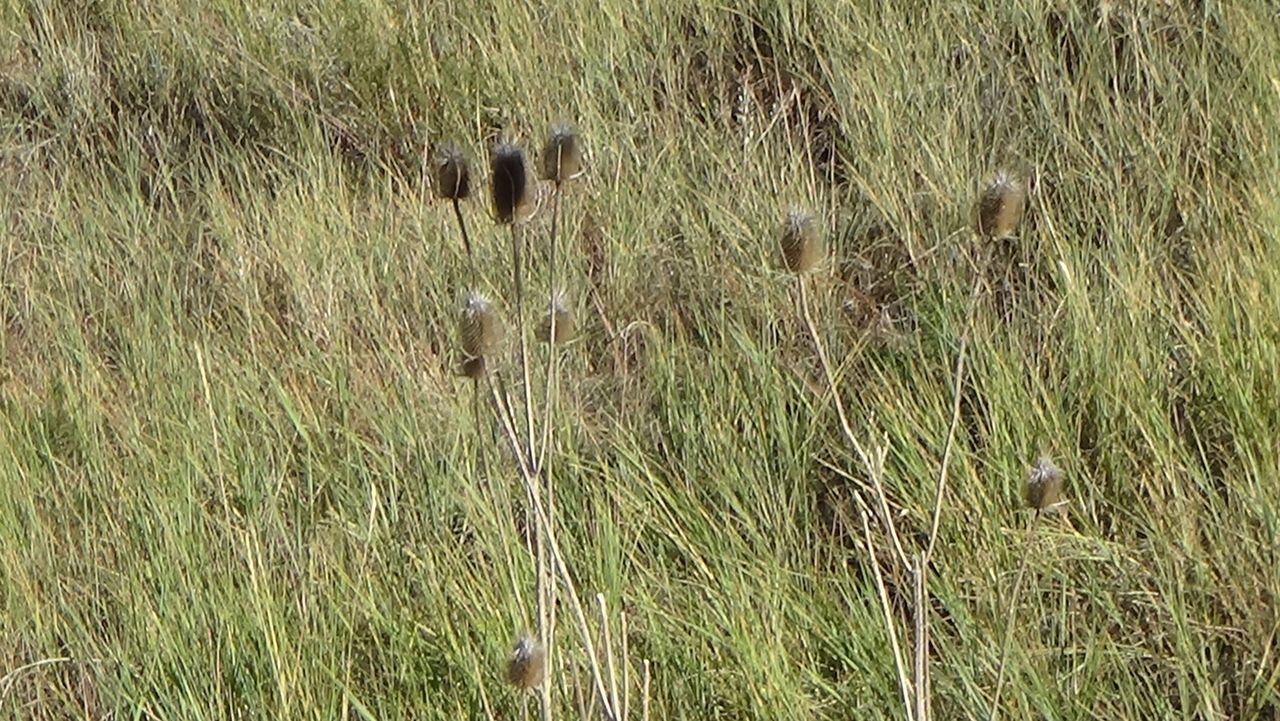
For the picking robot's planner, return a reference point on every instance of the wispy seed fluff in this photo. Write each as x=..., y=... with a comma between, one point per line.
x=801, y=243
x=479, y=327
x=998, y=212
x=453, y=173
x=562, y=154
x=513, y=199
x=565, y=329
x=528, y=664
x=1043, y=489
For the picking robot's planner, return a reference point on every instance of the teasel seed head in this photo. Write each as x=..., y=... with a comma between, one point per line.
x=479, y=327
x=562, y=154
x=513, y=199
x=565, y=323
x=453, y=173
x=998, y=212
x=527, y=667
x=474, y=368
x=801, y=242
x=1043, y=489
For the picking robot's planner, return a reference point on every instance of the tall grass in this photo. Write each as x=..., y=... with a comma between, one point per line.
x=241, y=478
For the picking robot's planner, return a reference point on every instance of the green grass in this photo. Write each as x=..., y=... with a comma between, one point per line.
x=240, y=479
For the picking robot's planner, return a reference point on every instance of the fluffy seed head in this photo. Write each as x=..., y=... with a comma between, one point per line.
x=479, y=327
x=801, y=243
x=562, y=154
x=528, y=664
x=453, y=173
x=565, y=329
x=1044, y=485
x=513, y=199
x=999, y=210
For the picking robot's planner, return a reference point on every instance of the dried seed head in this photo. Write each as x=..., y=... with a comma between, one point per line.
x=562, y=155
x=565, y=327
x=480, y=328
x=801, y=243
x=474, y=368
x=453, y=173
x=998, y=212
x=513, y=199
x=1044, y=485
x=528, y=664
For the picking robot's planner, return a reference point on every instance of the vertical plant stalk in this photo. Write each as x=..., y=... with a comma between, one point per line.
x=466, y=239
x=517, y=278
x=904, y=683
x=921, y=674
x=1013, y=612
x=529, y=477
x=543, y=458
x=881, y=497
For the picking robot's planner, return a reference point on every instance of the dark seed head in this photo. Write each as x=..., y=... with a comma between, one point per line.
x=453, y=173
x=513, y=199
x=562, y=154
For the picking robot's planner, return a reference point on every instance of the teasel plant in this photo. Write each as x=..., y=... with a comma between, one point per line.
x=512, y=194
x=801, y=253
x=1041, y=494
x=452, y=177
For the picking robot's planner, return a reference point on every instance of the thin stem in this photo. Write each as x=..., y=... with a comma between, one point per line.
x=845, y=426
x=951, y=430
x=922, y=638
x=904, y=685
x=517, y=272
x=1013, y=611
x=550, y=402
x=462, y=226
x=557, y=558
x=551, y=342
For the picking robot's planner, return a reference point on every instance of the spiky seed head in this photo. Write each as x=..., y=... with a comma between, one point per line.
x=1044, y=485
x=801, y=243
x=999, y=210
x=453, y=173
x=479, y=327
x=527, y=666
x=565, y=324
x=562, y=154
x=513, y=199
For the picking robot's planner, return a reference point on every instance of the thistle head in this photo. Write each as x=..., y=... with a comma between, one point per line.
x=998, y=211
x=527, y=665
x=1043, y=488
x=479, y=327
x=562, y=154
x=801, y=242
x=452, y=173
x=560, y=315
x=512, y=191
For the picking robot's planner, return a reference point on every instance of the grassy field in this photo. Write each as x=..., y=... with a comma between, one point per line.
x=241, y=478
